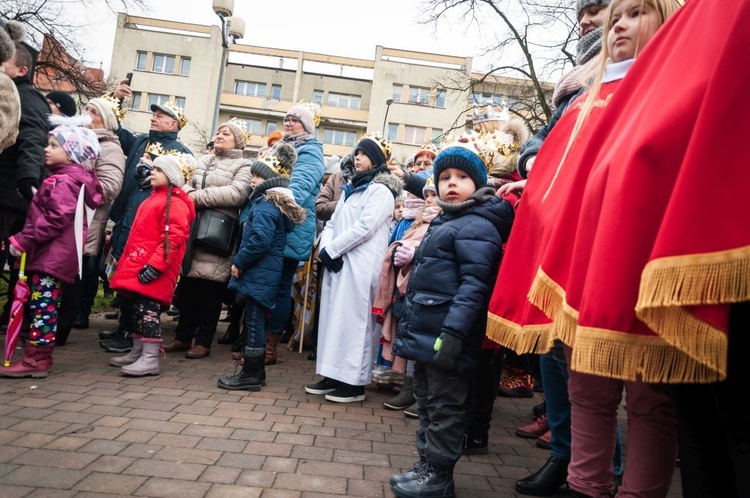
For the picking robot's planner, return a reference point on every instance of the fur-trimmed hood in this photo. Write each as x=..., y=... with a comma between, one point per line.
x=394, y=183
x=283, y=198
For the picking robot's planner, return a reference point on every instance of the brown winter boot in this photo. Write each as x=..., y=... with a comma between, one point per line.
x=132, y=356
x=272, y=342
x=147, y=364
x=36, y=362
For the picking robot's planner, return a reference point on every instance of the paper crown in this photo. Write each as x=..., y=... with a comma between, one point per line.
x=184, y=162
x=114, y=103
x=430, y=147
x=314, y=110
x=430, y=183
x=240, y=123
x=477, y=143
x=499, y=142
x=155, y=149
x=385, y=145
x=488, y=112
x=176, y=111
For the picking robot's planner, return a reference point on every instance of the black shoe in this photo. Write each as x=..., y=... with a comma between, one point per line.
x=547, y=480
x=231, y=335
x=325, y=386
x=81, y=322
x=312, y=355
x=473, y=444
x=251, y=377
x=112, y=315
x=119, y=344
x=412, y=411
x=109, y=334
x=415, y=471
x=539, y=408
x=173, y=311
x=431, y=482
x=346, y=393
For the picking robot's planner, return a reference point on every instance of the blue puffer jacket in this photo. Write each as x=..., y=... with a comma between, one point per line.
x=305, y=183
x=261, y=254
x=452, y=278
x=132, y=195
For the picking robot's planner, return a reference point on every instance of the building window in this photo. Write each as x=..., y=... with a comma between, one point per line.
x=437, y=136
x=250, y=88
x=254, y=126
x=440, y=99
x=156, y=99
x=136, y=104
x=140, y=61
x=339, y=137
x=414, y=135
x=276, y=92
x=271, y=127
x=396, y=93
x=418, y=95
x=163, y=64
x=185, y=66
x=392, y=132
x=343, y=100
x=180, y=101
x=318, y=97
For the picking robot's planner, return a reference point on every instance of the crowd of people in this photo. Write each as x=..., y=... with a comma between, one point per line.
x=445, y=279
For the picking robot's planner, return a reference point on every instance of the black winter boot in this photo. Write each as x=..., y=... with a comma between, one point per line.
x=547, y=480
x=253, y=374
x=431, y=482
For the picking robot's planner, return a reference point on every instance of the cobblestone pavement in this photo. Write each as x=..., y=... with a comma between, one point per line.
x=87, y=431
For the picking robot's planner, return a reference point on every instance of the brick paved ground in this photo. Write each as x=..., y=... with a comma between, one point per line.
x=86, y=431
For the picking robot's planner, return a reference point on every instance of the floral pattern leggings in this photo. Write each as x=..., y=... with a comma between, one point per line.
x=44, y=300
x=146, y=318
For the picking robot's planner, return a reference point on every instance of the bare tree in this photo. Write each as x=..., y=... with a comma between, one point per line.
x=529, y=48
x=55, y=34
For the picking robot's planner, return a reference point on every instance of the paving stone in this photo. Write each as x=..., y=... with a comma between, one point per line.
x=55, y=478
x=99, y=482
x=173, y=488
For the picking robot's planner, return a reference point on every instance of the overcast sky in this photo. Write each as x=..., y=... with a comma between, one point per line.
x=338, y=27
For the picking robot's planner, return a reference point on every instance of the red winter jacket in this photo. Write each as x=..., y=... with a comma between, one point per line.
x=145, y=245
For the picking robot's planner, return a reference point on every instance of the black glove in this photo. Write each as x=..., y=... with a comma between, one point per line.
x=143, y=174
x=448, y=348
x=148, y=274
x=24, y=186
x=334, y=265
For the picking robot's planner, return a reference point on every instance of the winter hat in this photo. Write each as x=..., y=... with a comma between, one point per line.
x=277, y=162
x=64, y=102
x=10, y=32
x=177, y=166
x=274, y=137
x=582, y=4
x=464, y=154
x=173, y=111
x=307, y=113
x=81, y=144
x=239, y=130
x=376, y=148
x=110, y=111
x=332, y=164
x=429, y=185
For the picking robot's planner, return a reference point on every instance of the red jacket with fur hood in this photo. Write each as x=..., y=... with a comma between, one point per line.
x=145, y=245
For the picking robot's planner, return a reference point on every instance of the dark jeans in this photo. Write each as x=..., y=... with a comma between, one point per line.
x=482, y=394
x=255, y=324
x=200, y=310
x=280, y=312
x=441, y=404
x=714, y=434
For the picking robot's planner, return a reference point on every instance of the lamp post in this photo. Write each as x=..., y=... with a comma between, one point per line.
x=385, y=118
x=232, y=29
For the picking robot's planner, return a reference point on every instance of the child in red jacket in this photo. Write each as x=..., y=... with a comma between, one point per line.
x=52, y=237
x=147, y=271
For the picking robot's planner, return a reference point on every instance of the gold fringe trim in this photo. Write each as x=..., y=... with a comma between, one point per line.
x=713, y=278
x=626, y=357
x=699, y=340
x=546, y=294
x=521, y=339
x=566, y=324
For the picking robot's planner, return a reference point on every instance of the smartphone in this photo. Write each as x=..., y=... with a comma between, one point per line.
x=129, y=77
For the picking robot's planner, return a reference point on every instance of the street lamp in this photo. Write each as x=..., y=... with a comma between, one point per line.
x=385, y=118
x=232, y=29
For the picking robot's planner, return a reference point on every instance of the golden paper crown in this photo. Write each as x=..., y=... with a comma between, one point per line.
x=501, y=143
x=114, y=103
x=177, y=112
x=430, y=182
x=313, y=108
x=240, y=123
x=155, y=149
x=489, y=112
x=185, y=162
x=385, y=145
x=476, y=143
x=430, y=147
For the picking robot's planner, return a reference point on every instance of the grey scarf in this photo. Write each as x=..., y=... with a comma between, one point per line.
x=588, y=46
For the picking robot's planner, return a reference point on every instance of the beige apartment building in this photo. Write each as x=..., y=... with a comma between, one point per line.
x=403, y=93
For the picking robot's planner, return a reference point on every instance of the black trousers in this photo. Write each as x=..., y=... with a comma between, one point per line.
x=482, y=394
x=200, y=309
x=714, y=434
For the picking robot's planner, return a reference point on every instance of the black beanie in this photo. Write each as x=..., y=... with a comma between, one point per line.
x=371, y=150
x=64, y=102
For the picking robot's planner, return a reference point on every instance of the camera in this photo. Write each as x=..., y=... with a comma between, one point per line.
x=143, y=174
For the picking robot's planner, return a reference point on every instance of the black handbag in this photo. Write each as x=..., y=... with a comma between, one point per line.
x=216, y=231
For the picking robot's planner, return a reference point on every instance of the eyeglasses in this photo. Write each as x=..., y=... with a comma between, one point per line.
x=291, y=120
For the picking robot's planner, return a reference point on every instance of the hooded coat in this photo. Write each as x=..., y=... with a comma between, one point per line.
x=358, y=233
x=452, y=277
x=305, y=182
x=146, y=245
x=48, y=234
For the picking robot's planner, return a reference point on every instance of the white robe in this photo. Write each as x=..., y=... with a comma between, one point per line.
x=358, y=231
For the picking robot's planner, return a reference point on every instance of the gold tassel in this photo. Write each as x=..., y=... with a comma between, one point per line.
x=526, y=339
x=546, y=294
